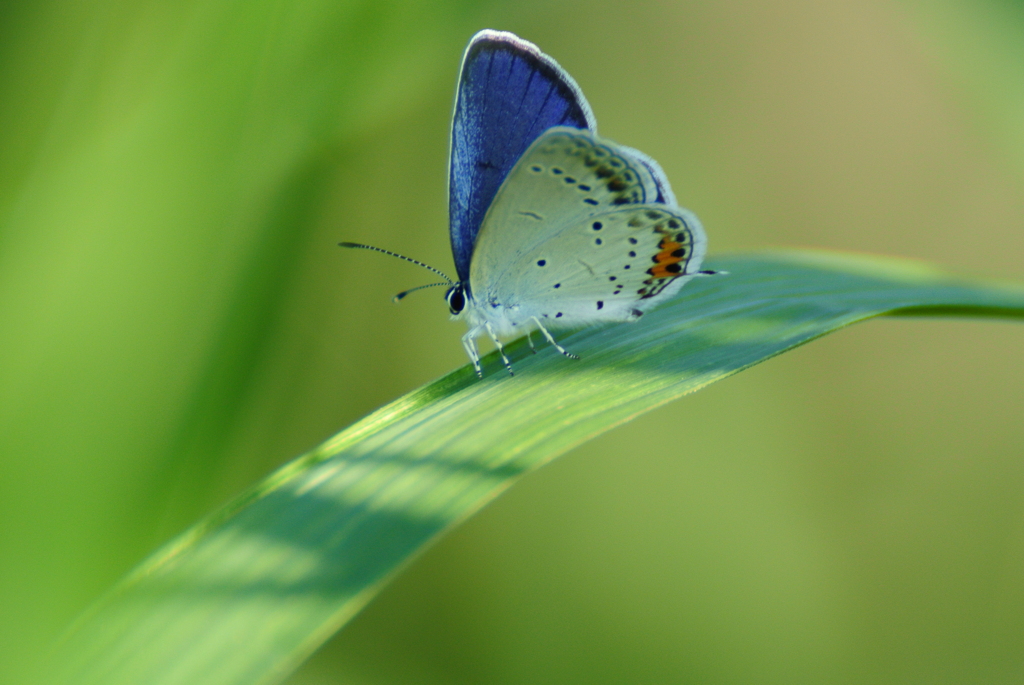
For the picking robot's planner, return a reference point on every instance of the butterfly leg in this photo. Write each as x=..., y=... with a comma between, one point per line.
x=469, y=343
x=501, y=349
x=551, y=340
x=529, y=339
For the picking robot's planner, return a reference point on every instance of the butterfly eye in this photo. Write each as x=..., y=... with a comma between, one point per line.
x=456, y=299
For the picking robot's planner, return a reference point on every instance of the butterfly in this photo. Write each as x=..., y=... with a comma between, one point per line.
x=552, y=227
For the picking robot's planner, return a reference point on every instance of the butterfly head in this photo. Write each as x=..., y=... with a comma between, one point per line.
x=456, y=298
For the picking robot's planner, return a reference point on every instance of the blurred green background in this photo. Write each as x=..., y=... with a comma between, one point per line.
x=176, y=321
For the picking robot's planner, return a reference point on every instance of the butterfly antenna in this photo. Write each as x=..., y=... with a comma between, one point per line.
x=408, y=259
x=402, y=294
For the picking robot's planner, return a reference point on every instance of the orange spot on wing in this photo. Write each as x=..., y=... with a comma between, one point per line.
x=665, y=258
x=667, y=248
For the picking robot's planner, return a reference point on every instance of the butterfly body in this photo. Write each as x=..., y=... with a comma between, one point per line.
x=552, y=227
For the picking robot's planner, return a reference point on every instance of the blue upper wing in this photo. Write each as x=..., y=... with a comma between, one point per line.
x=509, y=93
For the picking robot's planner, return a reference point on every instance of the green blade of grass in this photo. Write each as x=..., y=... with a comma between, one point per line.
x=246, y=595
